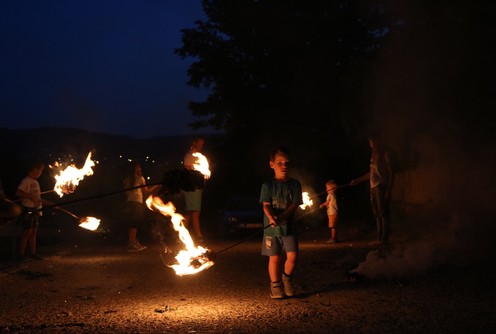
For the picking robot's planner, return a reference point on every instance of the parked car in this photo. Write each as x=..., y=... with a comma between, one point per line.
x=242, y=213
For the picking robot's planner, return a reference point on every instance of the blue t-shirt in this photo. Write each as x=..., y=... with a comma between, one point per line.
x=281, y=194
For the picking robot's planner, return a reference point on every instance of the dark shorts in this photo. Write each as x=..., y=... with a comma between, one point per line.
x=30, y=219
x=274, y=245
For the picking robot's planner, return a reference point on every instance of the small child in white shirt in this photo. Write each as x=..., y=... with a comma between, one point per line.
x=332, y=210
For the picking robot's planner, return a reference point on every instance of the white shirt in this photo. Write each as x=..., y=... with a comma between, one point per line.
x=32, y=187
x=332, y=207
x=135, y=195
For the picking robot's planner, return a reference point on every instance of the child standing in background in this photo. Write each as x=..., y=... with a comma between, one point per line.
x=135, y=205
x=332, y=210
x=30, y=194
x=193, y=199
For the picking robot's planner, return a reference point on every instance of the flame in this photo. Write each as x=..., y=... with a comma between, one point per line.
x=307, y=202
x=201, y=165
x=90, y=223
x=68, y=179
x=191, y=254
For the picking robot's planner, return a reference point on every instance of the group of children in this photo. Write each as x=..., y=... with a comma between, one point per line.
x=280, y=198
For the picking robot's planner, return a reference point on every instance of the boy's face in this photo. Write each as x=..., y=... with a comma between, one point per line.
x=280, y=165
x=330, y=188
x=38, y=171
x=198, y=144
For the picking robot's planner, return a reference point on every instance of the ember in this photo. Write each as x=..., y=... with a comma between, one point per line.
x=89, y=223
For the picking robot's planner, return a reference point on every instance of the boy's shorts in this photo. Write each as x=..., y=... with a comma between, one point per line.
x=273, y=245
x=333, y=220
x=30, y=220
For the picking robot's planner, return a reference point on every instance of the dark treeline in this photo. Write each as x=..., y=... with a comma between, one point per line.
x=289, y=73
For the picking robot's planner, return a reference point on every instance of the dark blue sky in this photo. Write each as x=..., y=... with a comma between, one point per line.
x=100, y=65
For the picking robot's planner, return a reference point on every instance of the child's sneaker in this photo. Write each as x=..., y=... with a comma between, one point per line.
x=288, y=285
x=332, y=241
x=276, y=290
x=140, y=245
x=136, y=247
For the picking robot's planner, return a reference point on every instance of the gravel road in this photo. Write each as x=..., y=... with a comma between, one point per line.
x=95, y=286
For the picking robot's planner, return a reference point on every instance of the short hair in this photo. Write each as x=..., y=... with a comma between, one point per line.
x=331, y=183
x=278, y=150
x=35, y=164
x=198, y=137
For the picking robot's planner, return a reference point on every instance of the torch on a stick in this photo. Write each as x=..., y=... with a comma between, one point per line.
x=89, y=223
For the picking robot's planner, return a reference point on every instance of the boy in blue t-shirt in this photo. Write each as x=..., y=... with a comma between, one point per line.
x=280, y=198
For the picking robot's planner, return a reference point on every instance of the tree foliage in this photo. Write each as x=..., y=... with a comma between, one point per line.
x=283, y=72
x=267, y=62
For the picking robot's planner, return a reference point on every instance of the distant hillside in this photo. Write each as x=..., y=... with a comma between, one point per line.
x=47, y=141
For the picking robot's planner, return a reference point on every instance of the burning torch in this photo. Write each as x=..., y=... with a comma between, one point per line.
x=89, y=223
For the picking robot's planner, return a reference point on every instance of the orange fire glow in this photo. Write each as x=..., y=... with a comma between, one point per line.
x=90, y=223
x=68, y=179
x=192, y=259
x=201, y=164
x=307, y=202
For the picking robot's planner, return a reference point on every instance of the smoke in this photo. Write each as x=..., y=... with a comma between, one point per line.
x=431, y=98
x=416, y=256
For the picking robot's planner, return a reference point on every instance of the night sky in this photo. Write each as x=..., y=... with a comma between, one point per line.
x=99, y=65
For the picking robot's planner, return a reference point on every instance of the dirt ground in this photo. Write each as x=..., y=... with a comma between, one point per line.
x=94, y=285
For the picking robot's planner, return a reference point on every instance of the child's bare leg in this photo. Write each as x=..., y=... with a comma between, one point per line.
x=32, y=242
x=275, y=268
x=332, y=226
x=333, y=233
x=132, y=235
x=24, y=241
x=290, y=263
x=195, y=216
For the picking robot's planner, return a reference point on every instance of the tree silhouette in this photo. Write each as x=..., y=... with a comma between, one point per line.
x=264, y=61
x=283, y=72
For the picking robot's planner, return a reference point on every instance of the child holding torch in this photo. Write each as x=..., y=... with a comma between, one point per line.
x=193, y=199
x=280, y=198
x=135, y=207
x=31, y=201
x=332, y=210
x=380, y=176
